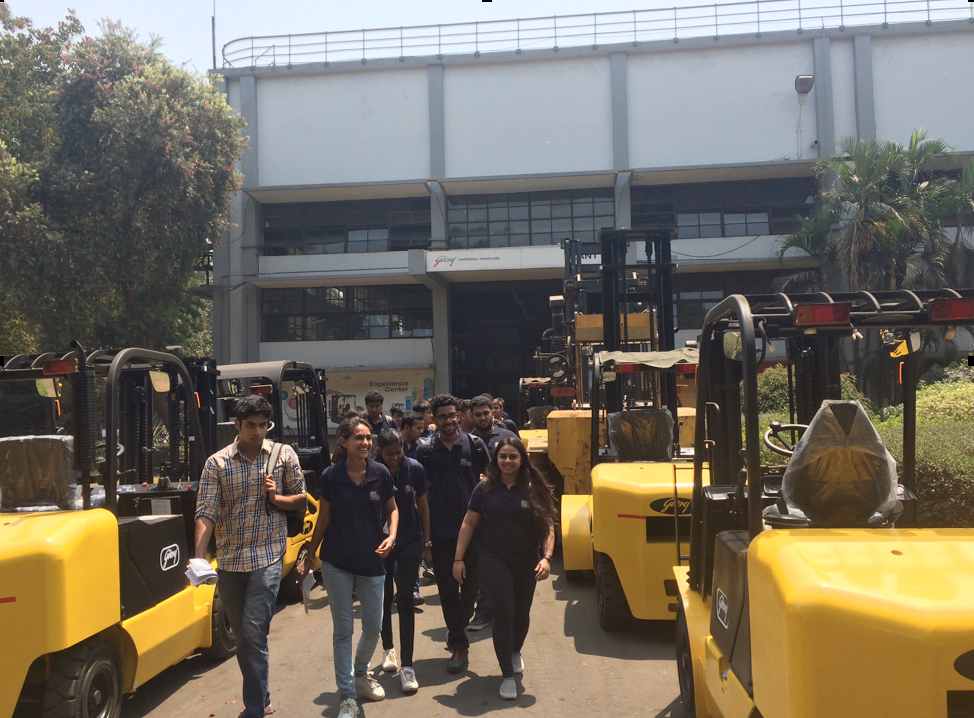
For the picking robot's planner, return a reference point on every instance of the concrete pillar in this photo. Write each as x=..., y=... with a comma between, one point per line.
x=248, y=110
x=620, y=111
x=434, y=74
x=862, y=57
x=441, y=319
x=824, y=113
x=438, y=226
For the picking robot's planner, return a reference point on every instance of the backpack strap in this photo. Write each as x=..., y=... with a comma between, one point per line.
x=481, y=449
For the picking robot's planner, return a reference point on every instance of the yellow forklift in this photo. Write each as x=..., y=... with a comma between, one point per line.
x=810, y=590
x=620, y=523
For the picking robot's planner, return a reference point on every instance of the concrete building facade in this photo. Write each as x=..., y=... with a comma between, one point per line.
x=400, y=219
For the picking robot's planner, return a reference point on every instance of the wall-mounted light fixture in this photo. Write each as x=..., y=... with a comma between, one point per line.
x=803, y=85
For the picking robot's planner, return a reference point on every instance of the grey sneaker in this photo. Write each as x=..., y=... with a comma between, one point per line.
x=367, y=687
x=408, y=677
x=508, y=689
x=517, y=662
x=348, y=708
x=390, y=662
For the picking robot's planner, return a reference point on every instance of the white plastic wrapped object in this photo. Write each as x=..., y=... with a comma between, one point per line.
x=841, y=473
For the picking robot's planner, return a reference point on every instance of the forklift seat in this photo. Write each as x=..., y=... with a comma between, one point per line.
x=35, y=473
x=841, y=474
x=642, y=435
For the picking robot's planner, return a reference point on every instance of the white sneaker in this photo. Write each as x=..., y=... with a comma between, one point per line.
x=508, y=689
x=390, y=661
x=367, y=687
x=348, y=709
x=408, y=677
x=517, y=662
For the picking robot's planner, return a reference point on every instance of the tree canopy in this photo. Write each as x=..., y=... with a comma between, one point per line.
x=117, y=170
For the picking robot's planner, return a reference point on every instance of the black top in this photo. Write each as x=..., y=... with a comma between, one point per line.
x=506, y=527
x=358, y=515
x=381, y=424
x=411, y=483
x=452, y=475
x=410, y=449
x=496, y=435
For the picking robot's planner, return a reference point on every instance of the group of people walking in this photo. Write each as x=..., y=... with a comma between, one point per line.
x=465, y=502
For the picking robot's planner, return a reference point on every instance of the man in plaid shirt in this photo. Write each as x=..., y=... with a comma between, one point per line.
x=239, y=499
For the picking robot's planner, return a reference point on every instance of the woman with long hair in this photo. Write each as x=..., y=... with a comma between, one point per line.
x=514, y=507
x=357, y=502
x=402, y=563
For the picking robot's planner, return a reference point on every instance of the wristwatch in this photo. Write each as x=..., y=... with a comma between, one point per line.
x=428, y=544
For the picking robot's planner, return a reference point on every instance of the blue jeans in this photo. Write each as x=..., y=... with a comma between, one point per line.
x=249, y=598
x=339, y=585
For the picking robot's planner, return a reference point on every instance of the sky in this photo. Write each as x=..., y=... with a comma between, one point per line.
x=184, y=25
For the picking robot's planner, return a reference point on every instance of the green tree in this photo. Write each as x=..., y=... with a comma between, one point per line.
x=133, y=181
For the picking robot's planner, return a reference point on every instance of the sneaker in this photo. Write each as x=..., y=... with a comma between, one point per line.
x=348, y=708
x=418, y=600
x=408, y=677
x=517, y=662
x=508, y=689
x=458, y=661
x=367, y=687
x=479, y=623
x=427, y=572
x=390, y=662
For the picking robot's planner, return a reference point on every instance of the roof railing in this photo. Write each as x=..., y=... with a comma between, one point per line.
x=593, y=29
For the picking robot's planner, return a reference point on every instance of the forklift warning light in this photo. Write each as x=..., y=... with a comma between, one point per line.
x=808, y=314
x=951, y=309
x=59, y=366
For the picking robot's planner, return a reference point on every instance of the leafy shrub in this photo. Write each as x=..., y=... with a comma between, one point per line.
x=951, y=374
x=773, y=389
x=944, y=470
x=938, y=403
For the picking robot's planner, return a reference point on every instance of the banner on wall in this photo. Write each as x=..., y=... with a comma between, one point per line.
x=347, y=389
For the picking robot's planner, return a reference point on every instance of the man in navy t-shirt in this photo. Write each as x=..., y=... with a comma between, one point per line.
x=454, y=463
x=373, y=409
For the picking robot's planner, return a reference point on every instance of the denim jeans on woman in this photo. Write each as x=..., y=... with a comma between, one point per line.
x=248, y=598
x=339, y=585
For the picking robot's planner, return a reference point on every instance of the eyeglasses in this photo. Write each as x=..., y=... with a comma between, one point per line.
x=446, y=417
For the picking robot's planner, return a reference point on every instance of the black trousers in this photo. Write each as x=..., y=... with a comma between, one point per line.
x=510, y=584
x=456, y=601
x=404, y=570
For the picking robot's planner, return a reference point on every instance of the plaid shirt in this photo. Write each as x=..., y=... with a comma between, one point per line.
x=250, y=533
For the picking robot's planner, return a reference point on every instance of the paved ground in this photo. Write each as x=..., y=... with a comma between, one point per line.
x=572, y=668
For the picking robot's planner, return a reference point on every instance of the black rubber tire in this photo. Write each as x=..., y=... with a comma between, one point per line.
x=224, y=644
x=610, y=599
x=684, y=661
x=85, y=682
x=290, y=591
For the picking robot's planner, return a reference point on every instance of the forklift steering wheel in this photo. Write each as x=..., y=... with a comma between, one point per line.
x=787, y=449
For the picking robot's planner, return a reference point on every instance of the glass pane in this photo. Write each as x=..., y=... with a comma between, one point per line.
x=734, y=219
x=378, y=245
x=562, y=210
x=458, y=242
x=561, y=225
x=757, y=217
x=500, y=240
x=688, y=233
x=520, y=227
x=458, y=230
x=476, y=215
x=520, y=240
x=757, y=228
x=540, y=239
x=477, y=229
x=457, y=215
x=605, y=222
x=604, y=208
x=358, y=235
x=582, y=209
x=498, y=228
x=583, y=224
x=378, y=320
x=477, y=242
x=540, y=225
x=354, y=247
x=379, y=233
x=540, y=211
x=335, y=248
x=379, y=332
x=735, y=230
x=685, y=220
x=710, y=218
x=519, y=212
x=709, y=230
x=497, y=213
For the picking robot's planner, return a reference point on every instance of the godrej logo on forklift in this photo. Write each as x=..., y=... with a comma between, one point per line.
x=670, y=506
x=722, y=608
x=169, y=557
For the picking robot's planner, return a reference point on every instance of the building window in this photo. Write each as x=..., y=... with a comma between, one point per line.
x=724, y=209
x=696, y=293
x=321, y=314
x=345, y=227
x=528, y=219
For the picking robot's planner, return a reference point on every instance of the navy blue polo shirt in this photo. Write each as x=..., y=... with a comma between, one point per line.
x=411, y=483
x=381, y=424
x=497, y=433
x=410, y=450
x=506, y=527
x=358, y=515
x=452, y=475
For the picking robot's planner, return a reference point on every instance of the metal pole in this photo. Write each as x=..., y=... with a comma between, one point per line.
x=909, y=420
x=758, y=4
x=363, y=44
x=401, y=54
x=716, y=25
x=519, y=30
x=213, y=30
x=676, y=30
x=289, y=50
x=439, y=39
x=635, y=39
x=554, y=19
x=841, y=15
x=476, y=36
x=595, y=29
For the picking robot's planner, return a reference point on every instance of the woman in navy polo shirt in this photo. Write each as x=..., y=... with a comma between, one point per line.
x=403, y=562
x=514, y=508
x=357, y=501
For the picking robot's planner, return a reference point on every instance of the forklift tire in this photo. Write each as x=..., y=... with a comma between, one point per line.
x=684, y=662
x=85, y=682
x=224, y=643
x=610, y=599
x=290, y=591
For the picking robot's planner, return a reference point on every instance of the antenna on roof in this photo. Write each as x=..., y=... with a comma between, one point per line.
x=213, y=31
